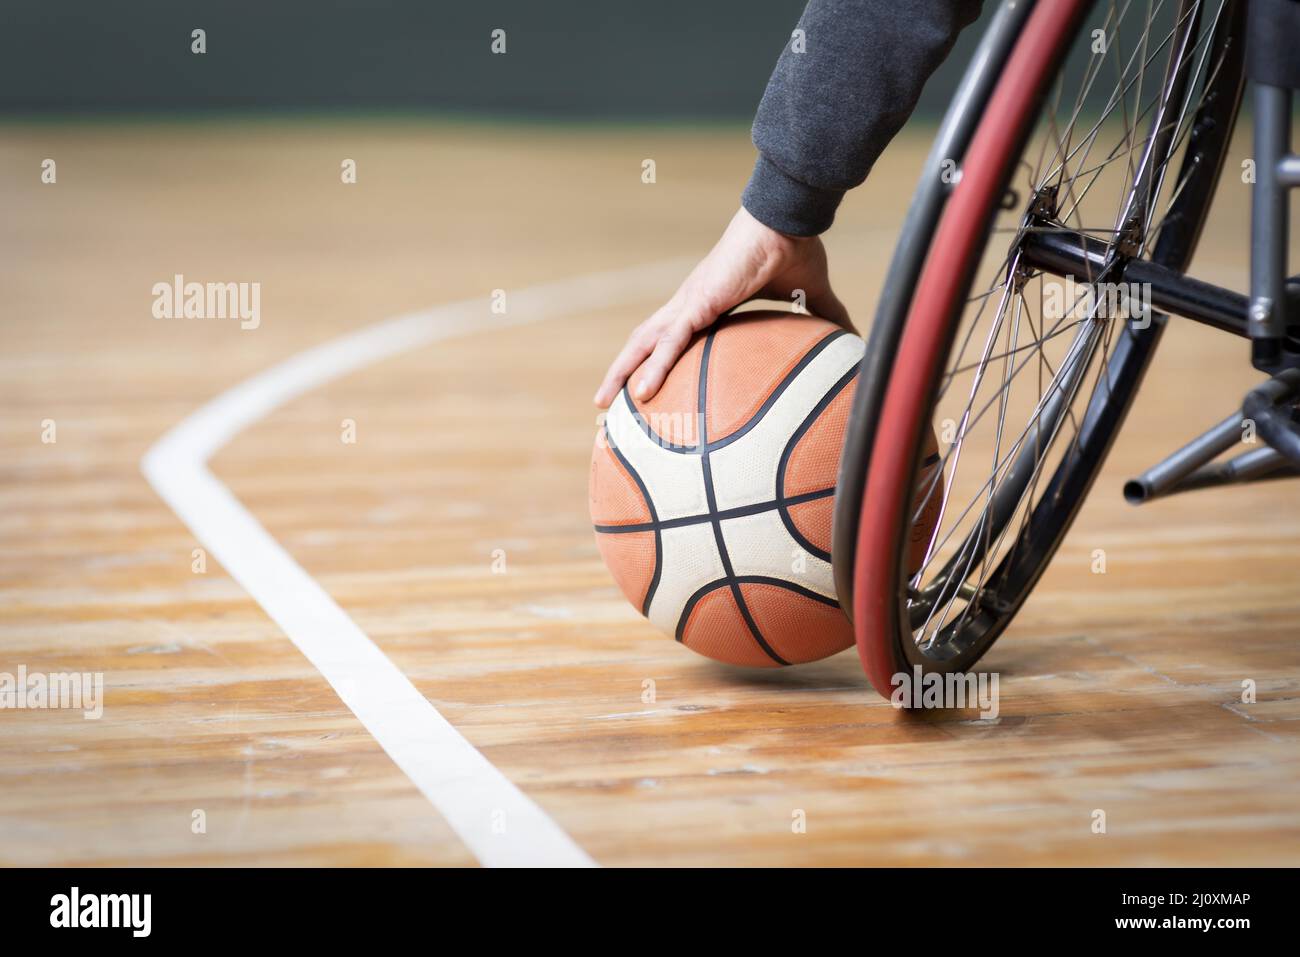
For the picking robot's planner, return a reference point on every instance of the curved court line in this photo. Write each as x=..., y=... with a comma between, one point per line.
x=497, y=821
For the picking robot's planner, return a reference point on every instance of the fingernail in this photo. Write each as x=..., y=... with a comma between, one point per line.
x=642, y=389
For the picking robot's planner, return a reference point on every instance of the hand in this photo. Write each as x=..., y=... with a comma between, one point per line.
x=750, y=261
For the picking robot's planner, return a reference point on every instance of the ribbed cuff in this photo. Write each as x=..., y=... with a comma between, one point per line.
x=787, y=205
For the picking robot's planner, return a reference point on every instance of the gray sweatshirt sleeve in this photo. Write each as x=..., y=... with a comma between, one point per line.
x=831, y=108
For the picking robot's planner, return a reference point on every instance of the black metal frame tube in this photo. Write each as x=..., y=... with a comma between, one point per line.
x=1072, y=255
x=1268, y=222
x=1188, y=467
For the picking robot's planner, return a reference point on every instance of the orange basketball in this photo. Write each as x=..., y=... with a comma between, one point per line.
x=712, y=502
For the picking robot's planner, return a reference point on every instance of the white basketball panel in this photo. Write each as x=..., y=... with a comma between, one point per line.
x=690, y=561
x=744, y=472
x=762, y=545
x=675, y=480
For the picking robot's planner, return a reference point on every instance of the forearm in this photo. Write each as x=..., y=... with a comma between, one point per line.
x=830, y=110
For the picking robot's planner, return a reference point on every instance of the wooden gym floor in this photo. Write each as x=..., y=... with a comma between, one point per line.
x=1119, y=692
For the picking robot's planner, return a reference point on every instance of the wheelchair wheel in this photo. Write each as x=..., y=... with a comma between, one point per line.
x=1022, y=346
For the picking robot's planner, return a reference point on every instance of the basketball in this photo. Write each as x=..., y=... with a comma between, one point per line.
x=712, y=502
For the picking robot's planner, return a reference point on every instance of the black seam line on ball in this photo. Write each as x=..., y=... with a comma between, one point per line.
x=747, y=580
x=706, y=446
x=712, y=499
x=799, y=433
x=739, y=511
x=654, y=520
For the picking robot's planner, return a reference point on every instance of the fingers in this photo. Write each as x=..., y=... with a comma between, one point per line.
x=672, y=343
x=654, y=348
x=639, y=345
x=748, y=258
x=823, y=304
x=828, y=306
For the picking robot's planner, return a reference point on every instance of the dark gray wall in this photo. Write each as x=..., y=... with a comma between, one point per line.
x=580, y=59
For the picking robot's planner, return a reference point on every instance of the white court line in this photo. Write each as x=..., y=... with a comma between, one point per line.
x=462, y=784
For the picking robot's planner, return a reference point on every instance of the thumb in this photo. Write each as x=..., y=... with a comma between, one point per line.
x=827, y=305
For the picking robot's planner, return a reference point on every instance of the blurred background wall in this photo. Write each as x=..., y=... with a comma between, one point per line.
x=569, y=59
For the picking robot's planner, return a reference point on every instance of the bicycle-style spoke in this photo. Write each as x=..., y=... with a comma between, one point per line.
x=1018, y=378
